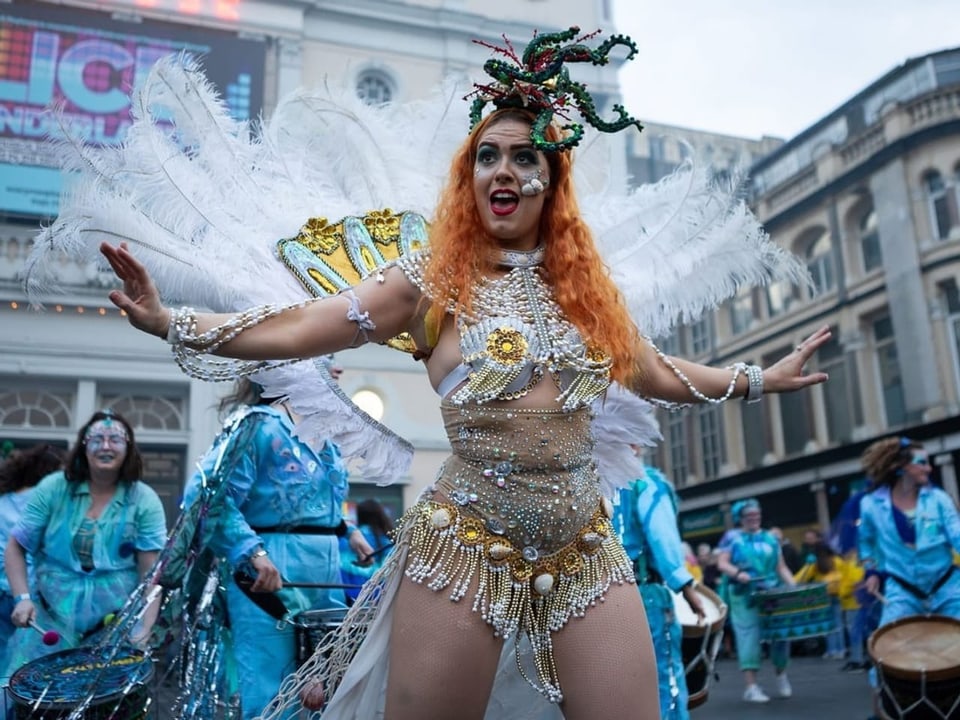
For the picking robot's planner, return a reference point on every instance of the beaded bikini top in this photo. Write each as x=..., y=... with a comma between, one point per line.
x=514, y=335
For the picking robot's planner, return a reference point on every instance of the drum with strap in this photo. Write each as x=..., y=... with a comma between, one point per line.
x=918, y=667
x=311, y=628
x=108, y=684
x=794, y=613
x=701, y=641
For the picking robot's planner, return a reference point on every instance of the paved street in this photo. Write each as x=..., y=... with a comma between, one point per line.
x=820, y=692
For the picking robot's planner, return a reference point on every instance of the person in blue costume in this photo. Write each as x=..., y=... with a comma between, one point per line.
x=646, y=519
x=279, y=524
x=93, y=530
x=19, y=474
x=909, y=530
x=376, y=526
x=750, y=559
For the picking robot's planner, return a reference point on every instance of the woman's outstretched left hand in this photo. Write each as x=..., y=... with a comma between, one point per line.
x=787, y=373
x=139, y=298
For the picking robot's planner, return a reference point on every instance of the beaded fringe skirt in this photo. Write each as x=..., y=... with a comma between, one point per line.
x=515, y=521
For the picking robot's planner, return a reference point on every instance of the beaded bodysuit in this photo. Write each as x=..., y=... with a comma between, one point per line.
x=516, y=516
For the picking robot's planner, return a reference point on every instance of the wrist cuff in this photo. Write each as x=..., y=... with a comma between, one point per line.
x=22, y=596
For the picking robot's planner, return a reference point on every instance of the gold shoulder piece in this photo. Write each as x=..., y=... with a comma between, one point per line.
x=330, y=257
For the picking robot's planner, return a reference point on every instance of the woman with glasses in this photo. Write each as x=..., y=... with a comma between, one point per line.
x=93, y=530
x=909, y=530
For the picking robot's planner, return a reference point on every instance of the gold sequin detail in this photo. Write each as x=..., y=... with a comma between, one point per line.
x=507, y=346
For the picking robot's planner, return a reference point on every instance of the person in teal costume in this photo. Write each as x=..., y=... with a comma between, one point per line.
x=276, y=524
x=750, y=559
x=646, y=519
x=93, y=530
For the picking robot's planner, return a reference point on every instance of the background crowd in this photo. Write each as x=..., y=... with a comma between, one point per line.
x=81, y=530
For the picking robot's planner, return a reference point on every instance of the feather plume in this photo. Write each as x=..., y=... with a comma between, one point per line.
x=203, y=200
x=621, y=421
x=682, y=246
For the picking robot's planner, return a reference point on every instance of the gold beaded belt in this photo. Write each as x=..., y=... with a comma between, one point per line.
x=516, y=590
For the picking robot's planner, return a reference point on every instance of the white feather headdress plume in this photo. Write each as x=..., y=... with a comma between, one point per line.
x=204, y=199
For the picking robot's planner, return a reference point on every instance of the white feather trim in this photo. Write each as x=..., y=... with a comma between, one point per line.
x=682, y=246
x=621, y=422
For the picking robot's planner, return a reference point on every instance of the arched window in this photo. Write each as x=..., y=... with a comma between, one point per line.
x=374, y=87
x=870, y=250
x=149, y=412
x=942, y=204
x=819, y=256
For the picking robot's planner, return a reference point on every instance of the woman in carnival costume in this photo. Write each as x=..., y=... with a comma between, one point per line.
x=750, y=558
x=276, y=519
x=521, y=327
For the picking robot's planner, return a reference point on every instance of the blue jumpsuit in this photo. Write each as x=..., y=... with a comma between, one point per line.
x=646, y=519
x=277, y=482
x=920, y=554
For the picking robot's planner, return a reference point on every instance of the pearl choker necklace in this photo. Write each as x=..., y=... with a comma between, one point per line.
x=518, y=258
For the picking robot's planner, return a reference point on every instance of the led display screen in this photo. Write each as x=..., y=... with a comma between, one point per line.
x=86, y=63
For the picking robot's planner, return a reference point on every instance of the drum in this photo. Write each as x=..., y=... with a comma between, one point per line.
x=918, y=667
x=311, y=628
x=701, y=641
x=793, y=613
x=53, y=686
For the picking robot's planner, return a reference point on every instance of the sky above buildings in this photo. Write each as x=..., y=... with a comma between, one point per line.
x=769, y=67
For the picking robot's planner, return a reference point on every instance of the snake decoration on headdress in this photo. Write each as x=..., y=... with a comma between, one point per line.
x=539, y=82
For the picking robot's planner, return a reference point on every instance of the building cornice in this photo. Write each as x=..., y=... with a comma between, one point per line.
x=872, y=164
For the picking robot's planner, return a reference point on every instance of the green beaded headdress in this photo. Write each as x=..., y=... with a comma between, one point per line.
x=539, y=82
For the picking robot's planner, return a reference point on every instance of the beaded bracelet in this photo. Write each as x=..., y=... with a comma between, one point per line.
x=190, y=347
x=737, y=369
x=755, y=386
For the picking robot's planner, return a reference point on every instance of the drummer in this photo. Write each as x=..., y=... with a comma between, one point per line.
x=750, y=560
x=909, y=530
x=279, y=523
x=646, y=519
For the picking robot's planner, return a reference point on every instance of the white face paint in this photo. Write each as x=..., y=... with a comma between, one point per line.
x=105, y=443
x=506, y=161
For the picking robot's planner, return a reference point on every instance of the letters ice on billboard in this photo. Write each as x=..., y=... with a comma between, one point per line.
x=86, y=63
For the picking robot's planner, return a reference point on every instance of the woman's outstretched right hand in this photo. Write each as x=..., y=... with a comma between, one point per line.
x=139, y=298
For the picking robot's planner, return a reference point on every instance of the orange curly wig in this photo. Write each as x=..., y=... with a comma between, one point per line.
x=460, y=251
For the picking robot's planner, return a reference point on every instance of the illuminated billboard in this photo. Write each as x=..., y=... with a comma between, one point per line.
x=87, y=63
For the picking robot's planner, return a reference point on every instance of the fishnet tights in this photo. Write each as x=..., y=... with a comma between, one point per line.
x=443, y=659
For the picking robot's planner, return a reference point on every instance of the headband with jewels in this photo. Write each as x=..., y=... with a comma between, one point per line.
x=539, y=82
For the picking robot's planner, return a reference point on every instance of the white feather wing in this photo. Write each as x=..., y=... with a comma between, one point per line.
x=202, y=200
x=682, y=246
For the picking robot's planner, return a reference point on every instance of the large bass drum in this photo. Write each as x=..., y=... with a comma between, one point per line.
x=112, y=685
x=701, y=641
x=918, y=667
